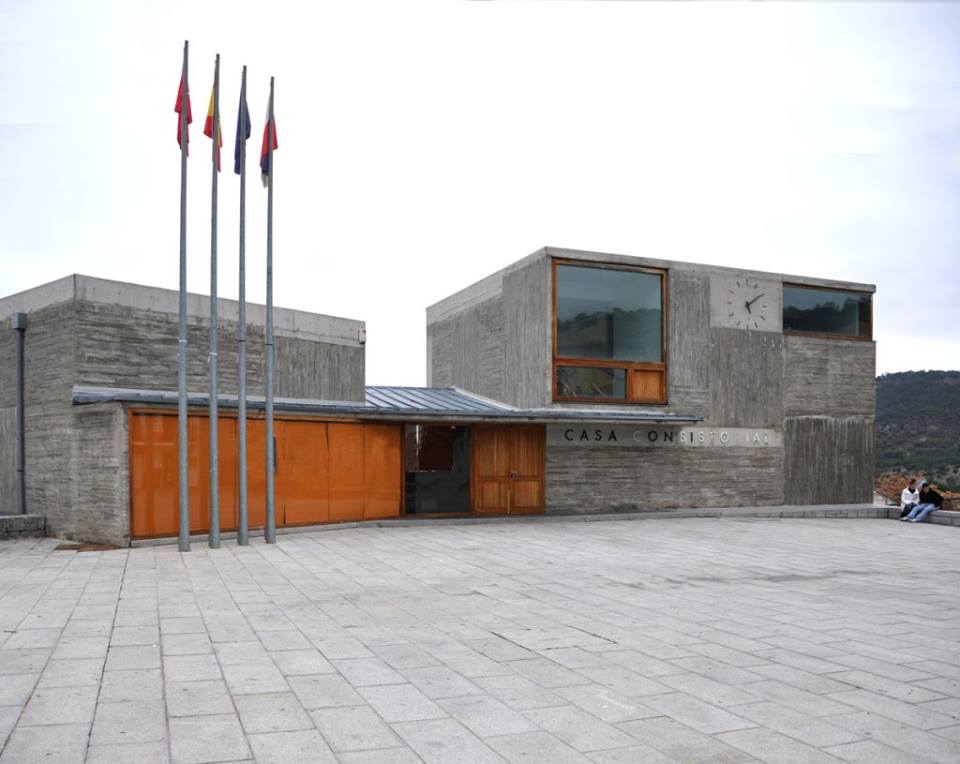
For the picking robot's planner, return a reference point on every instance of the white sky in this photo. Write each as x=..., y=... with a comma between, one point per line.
x=424, y=145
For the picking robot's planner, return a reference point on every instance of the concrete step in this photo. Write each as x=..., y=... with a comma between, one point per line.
x=22, y=526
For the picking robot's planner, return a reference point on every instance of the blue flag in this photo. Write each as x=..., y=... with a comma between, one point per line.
x=243, y=132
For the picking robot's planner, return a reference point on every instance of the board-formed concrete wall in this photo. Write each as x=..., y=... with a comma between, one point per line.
x=119, y=346
x=83, y=331
x=817, y=393
x=637, y=479
x=828, y=460
x=829, y=408
x=50, y=358
x=466, y=357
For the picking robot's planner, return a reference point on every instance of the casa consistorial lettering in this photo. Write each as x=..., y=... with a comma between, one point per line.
x=590, y=436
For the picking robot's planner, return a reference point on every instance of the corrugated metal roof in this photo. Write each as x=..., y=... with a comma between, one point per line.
x=397, y=404
x=432, y=399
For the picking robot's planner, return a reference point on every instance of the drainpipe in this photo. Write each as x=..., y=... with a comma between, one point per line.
x=19, y=324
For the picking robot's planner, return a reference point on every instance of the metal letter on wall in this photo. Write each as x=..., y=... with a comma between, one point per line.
x=665, y=436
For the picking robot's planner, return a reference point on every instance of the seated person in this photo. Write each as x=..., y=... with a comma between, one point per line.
x=908, y=498
x=930, y=501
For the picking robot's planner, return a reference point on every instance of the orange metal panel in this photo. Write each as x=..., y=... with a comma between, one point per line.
x=228, y=475
x=257, y=473
x=153, y=474
x=346, y=471
x=198, y=428
x=324, y=472
x=302, y=473
x=382, y=470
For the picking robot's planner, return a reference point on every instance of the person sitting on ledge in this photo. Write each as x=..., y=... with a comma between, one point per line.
x=930, y=501
x=908, y=498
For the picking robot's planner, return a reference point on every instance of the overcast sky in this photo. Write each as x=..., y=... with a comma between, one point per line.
x=424, y=145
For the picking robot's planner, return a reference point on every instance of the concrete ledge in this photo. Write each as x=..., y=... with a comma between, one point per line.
x=940, y=517
x=844, y=511
x=22, y=526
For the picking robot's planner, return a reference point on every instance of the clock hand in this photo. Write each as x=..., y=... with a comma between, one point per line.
x=748, y=307
x=755, y=299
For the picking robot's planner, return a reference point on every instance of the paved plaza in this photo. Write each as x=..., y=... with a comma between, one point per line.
x=661, y=640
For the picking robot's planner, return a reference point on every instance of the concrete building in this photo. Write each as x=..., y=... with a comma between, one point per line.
x=568, y=382
x=781, y=369
x=83, y=331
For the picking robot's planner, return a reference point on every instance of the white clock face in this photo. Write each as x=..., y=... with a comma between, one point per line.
x=746, y=305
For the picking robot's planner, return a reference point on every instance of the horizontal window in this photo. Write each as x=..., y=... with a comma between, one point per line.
x=827, y=311
x=609, y=314
x=591, y=382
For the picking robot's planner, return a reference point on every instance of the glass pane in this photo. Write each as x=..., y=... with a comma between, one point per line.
x=590, y=382
x=604, y=313
x=826, y=311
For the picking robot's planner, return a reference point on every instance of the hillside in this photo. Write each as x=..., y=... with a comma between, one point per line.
x=918, y=425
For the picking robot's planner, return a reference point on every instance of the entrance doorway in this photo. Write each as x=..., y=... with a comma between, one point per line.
x=507, y=469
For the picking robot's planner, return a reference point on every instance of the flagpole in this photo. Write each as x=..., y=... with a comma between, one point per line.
x=270, y=532
x=183, y=541
x=242, y=526
x=213, y=537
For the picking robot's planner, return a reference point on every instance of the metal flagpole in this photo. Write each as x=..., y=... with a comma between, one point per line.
x=214, y=535
x=183, y=541
x=270, y=532
x=242, y=526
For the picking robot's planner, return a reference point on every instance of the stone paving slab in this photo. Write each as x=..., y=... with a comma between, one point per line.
x=731, y=638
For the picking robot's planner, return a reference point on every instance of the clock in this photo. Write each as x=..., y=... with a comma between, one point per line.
x=744, y=302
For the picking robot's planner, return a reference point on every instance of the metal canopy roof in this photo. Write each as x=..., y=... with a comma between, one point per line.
x=432, y=399
x=397, y=404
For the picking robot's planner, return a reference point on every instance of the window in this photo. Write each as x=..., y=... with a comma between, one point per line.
x=608, y=333
x=830, y=312
x=591, y=382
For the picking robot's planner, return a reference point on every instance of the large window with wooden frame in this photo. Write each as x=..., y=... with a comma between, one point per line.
x=608, y=333
x=827, y=312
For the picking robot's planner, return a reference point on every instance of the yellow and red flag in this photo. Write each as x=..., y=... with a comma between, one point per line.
x=208, y=127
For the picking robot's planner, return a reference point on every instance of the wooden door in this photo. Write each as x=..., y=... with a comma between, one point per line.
x=506, y=469
x=302, y=484
x=490, y=470
x=526, y=470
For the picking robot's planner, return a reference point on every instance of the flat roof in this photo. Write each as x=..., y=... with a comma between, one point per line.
x=287, y=321
x=396, y=404
x=492, y=285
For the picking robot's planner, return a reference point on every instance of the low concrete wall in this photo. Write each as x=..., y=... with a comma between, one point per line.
x=21, y=526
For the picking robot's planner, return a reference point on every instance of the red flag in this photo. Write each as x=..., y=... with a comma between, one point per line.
x=178, y=109
x=265, y=168
x=208, y=128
